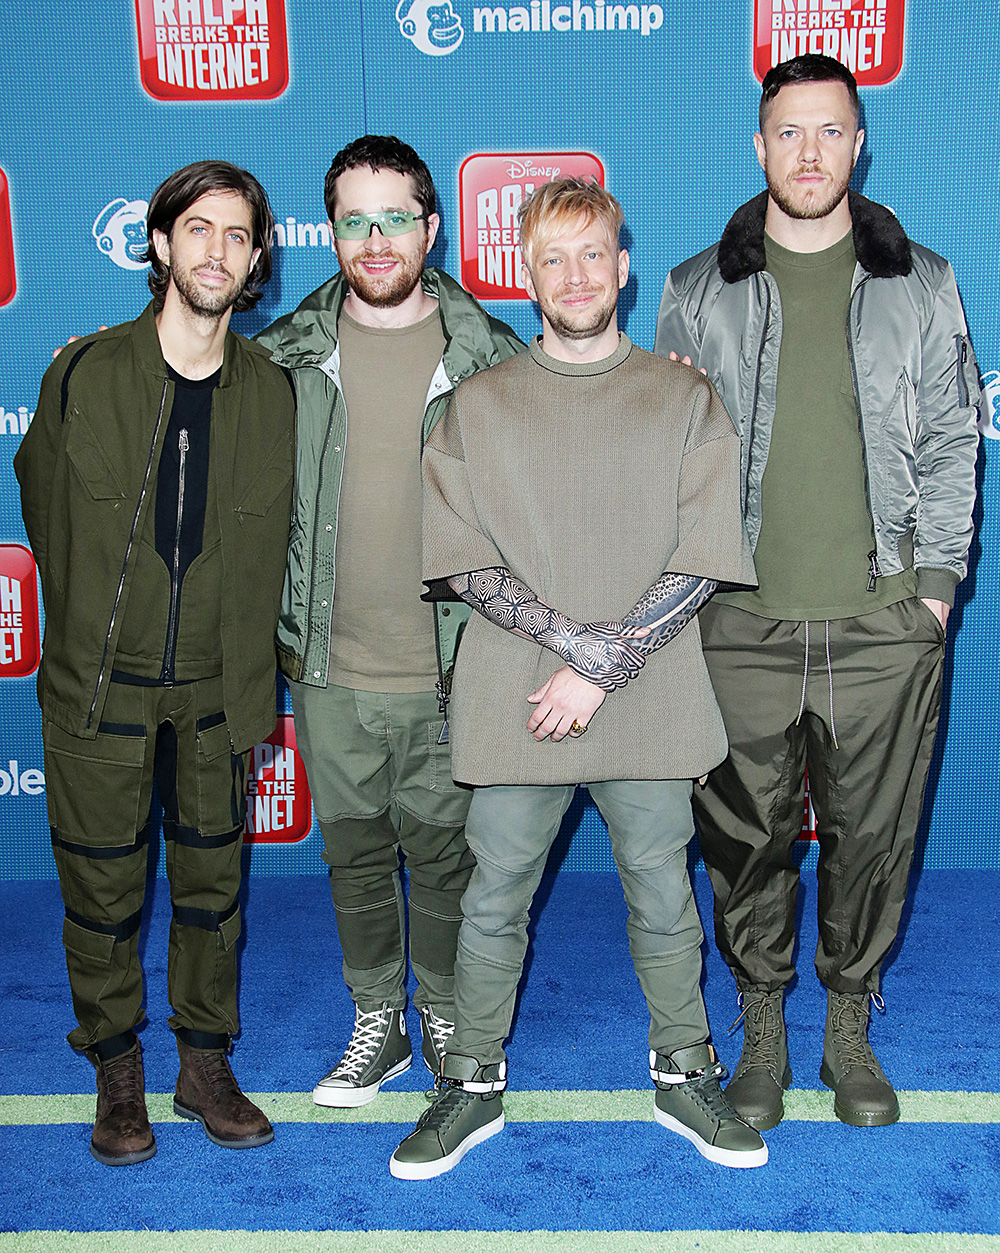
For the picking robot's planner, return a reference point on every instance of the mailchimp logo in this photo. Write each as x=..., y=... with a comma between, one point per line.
x=989, y=417
x=120, y=232
x=433, y=27
x=8, y=282
x=866, y=35
x=492, y=186
x=20, y=643
x=213, y=49
x=279, y=807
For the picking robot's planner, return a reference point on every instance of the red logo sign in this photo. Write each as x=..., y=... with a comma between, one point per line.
x=279, y=807
x=20, y=645
x=866, y=35
x=213, y=49
x=8, y=283
x=492, y=186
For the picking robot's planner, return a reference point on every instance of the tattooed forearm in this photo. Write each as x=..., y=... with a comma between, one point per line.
x=667, y=608
x=596, y=651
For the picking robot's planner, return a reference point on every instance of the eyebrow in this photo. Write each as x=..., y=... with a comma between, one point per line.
x=197, y=217
x=392, y=208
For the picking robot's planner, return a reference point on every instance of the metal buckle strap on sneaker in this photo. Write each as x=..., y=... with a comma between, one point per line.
x=366, y=1040
x=715, y=1071
x=476, y=1087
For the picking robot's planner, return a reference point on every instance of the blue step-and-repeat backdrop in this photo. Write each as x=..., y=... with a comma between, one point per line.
x=659, y=100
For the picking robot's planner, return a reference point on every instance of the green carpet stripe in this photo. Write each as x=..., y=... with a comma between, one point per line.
x=492, y=1242
x=801, y=1105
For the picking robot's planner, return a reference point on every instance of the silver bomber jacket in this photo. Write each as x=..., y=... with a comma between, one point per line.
x=916, y=383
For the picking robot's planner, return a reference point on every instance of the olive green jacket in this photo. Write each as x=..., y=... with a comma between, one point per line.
x=86, y=466
x=305, y=343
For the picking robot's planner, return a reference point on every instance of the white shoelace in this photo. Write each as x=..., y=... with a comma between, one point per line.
x=367, y=1038
x=440, y=1028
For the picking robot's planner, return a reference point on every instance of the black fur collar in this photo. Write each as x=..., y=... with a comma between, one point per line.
x=880, y=243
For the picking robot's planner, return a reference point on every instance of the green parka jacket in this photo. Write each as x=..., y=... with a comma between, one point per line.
x=305, y=342
x=86, y=466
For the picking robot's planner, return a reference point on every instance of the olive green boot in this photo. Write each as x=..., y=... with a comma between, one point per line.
x=762, y=1076
x=864, y=1097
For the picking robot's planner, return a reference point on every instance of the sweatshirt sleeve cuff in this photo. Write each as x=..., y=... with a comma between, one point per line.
x=935, y=584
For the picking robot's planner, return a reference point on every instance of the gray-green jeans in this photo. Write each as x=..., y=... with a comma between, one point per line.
x=381, y=781
x=511, y=830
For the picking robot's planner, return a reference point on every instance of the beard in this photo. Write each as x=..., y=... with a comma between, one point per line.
x=383, y=291
x=586, y=323
x=206, y=302
x=808, y=205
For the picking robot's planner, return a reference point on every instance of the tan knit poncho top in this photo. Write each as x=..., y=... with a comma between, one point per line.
x=587, y=482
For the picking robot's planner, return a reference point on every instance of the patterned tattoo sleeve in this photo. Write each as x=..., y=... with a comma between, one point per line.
x=597, y=652
x=667, y=608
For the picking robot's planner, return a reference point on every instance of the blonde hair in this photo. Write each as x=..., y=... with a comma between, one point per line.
x=556, y=205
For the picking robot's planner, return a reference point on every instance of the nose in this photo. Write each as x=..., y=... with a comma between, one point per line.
x=809, y=148
x=376, y=242
x=217, y=246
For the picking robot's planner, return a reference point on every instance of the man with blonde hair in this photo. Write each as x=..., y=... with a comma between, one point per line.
x=611, y=590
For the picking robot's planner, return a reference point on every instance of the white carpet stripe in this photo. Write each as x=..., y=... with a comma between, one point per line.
x=801, y=1105
x=493, y=1242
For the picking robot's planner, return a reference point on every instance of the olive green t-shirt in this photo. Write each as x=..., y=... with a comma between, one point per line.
x=813, y=554
x=382, y=637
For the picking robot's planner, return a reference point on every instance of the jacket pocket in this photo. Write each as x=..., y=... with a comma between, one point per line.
x=269, y=482
x=92, y=465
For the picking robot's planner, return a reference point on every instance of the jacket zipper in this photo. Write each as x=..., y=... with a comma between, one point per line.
x=128, y=552
x=440, y=687
x=169, y=658
x=756, y=389
x=874, y=572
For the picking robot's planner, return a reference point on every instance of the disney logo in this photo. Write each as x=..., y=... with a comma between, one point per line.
x=525, y=169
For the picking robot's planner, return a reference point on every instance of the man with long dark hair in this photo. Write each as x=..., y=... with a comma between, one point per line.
x=156, y=484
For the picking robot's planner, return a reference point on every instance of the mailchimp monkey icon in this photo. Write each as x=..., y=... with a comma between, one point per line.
x=120, y=231
x=433, y=28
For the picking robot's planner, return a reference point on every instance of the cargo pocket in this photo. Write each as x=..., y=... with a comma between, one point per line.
x=97, y=791
x=221, y=779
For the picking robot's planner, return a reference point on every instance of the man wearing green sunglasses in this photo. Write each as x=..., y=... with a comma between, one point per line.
x=375, y=354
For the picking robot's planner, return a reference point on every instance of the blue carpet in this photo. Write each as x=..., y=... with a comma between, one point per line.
x=581, y=1025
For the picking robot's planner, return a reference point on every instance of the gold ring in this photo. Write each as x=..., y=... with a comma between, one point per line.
x=577, y=728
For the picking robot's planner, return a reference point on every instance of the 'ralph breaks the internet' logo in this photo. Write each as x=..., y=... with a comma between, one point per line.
x=8, y=283
x=866, y=35
x=213, y=49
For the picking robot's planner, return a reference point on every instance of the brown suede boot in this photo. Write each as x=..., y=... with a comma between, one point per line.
x=122, y=1134
x=207, y=1091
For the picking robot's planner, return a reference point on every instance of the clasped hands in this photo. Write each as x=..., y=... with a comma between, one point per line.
x=601, y=650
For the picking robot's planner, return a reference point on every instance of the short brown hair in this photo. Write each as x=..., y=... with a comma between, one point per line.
x=564, y=200
x=178, y=192
x=810, y=67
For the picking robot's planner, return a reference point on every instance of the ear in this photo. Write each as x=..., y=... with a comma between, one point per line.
x=623, y=262
x=162, y=245
x=761, y=150
x=433, y=222
x=529, y=286
x=857, y=145
x=253, y=260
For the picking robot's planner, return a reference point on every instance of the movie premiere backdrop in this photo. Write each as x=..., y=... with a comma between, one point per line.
x=656, y=100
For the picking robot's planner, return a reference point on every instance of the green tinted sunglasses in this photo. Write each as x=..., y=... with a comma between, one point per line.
x=392, y=222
